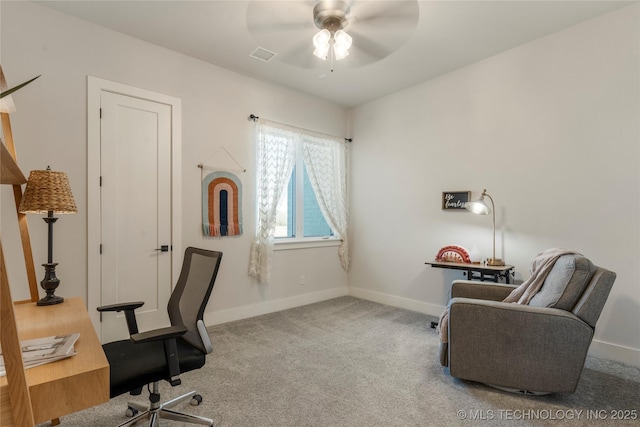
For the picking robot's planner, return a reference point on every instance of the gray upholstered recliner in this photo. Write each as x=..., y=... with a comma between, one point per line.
x=537, y=348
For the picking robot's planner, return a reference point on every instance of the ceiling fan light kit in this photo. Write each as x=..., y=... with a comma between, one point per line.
x=331, y=17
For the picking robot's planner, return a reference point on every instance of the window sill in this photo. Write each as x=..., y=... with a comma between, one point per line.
x=308, y=243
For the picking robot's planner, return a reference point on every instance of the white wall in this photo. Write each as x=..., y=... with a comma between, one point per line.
x=553, y=123
x=50, y=129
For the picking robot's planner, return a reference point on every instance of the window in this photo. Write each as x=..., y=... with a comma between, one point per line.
x=299, y=214
x=301, y=192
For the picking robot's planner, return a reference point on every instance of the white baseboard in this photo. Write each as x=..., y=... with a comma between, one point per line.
x=605, y=350
x=601, y=349
x=395, y=301
x=246, y=311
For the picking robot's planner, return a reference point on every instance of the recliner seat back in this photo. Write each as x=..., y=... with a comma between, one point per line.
x=575, y=284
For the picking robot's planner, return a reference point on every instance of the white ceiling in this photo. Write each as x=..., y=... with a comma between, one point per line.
x=447, y=35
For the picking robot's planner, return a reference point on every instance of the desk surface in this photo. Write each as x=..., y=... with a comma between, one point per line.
x=67, y=385
x=465, y=266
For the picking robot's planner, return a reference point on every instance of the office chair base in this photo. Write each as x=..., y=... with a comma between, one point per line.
x=157, y=411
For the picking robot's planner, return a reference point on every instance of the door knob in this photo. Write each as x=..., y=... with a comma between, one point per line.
x=163, y=248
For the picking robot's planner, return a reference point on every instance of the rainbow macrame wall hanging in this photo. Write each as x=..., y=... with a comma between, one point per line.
x=221, y=204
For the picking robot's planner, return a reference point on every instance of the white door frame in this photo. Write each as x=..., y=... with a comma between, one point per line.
x=95, y=86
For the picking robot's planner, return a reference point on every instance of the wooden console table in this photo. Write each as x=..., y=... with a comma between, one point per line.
x=479, y=271
x=67, y=385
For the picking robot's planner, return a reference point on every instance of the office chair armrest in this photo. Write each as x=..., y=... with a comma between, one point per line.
x=129, y=314
x=159, y=334
x=121, y=306
x=168, y=337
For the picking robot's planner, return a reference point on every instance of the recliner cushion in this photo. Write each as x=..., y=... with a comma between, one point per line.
x=565, y=283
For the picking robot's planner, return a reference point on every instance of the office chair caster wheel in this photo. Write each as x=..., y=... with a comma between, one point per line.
x=196, y=400
x=131, y=412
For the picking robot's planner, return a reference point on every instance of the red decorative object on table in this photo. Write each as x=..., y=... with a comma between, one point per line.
x=453, y=253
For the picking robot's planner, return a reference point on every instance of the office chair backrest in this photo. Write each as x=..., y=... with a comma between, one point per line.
x=191, y=294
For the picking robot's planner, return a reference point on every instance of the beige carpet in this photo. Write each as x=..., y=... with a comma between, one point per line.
x=351, y=362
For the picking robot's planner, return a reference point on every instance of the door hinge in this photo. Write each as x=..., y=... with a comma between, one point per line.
x=100, y=181
x=100, y=317
x=100, y=248
x=100, y=112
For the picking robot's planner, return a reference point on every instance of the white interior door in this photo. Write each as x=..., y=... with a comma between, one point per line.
x=135, y=201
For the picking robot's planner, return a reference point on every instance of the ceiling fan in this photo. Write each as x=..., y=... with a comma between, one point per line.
x=376, y=29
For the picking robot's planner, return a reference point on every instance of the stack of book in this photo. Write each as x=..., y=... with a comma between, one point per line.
x=39, y=351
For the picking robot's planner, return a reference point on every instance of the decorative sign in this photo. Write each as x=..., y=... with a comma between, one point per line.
x=455, y=200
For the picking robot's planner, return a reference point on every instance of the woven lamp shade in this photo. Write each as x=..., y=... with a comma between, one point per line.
x=46, y=191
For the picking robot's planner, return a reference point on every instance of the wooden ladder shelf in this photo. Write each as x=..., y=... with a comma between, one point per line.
x=21, y=412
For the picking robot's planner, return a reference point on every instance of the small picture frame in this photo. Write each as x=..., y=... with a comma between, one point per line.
x=455, y=200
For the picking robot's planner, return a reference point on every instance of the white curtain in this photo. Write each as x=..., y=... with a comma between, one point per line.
x=276, y=157
x=327, y=162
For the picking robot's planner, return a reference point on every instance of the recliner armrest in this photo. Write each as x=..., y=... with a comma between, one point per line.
x=518, y=346
x=159, y=334
x=480, y=290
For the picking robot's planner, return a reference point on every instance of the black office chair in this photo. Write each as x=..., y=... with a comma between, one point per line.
x=163, y=354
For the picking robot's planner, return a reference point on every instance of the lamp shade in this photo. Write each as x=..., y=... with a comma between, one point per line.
x=322, y=51
x=479, y=206
x=340, y=52
x=47, y=191
x=343, y=39
x=321, y=38
x=321, y=43
x=341, y=44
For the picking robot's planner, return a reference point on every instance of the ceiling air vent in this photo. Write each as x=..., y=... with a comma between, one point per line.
x=262, y=54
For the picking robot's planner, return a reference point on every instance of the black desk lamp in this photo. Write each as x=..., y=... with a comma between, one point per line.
x=48, y=192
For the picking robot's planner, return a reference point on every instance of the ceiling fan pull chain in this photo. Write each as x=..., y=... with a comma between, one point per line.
x=332, y=56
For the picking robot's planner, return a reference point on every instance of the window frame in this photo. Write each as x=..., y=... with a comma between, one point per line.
x=299, y=241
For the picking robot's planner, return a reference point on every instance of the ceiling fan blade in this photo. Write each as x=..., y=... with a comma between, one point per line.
x=271, y=27
x=385, y=16
x=272, y=16
x=280, y=25
x=369, y=9
x=368, y=50
x=300, y=56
